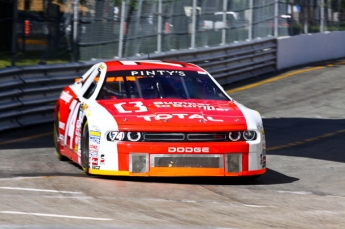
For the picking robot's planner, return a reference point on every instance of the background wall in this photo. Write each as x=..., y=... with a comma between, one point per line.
x=308, y=48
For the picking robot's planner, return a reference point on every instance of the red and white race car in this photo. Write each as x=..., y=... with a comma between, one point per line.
x=156, y=118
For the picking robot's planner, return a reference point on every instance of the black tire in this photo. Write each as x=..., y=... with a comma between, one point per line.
x=85, y=164
x=56, y=139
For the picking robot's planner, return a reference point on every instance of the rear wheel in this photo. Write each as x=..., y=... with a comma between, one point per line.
x=56, y=139
x=85, y=164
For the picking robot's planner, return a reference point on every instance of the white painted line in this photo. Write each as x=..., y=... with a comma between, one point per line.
x=39, y=190
x=255, y=206
x=70, y=197
x=53, y=215
x=19, y=178
x=296, y=192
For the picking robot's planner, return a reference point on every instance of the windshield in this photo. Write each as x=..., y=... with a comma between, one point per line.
x=160, y=84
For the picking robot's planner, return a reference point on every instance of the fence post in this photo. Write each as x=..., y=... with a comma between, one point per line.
x=159, y=29
x=276, y=15
x=14, y=33
x=122, y=28
x=322, y=15
x=224, y=22
x=306, y=16
x=75, y=30
x=192, y=45
x=250, y=26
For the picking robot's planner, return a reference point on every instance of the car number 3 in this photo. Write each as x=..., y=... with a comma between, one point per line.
x=120, y=108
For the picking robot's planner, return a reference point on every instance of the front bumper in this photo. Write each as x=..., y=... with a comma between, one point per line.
x=188, y=159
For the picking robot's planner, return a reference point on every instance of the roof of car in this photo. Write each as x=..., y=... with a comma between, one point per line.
x=114, y=65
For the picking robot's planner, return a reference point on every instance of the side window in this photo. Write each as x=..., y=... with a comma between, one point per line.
x=88, y=93
x=118, y=87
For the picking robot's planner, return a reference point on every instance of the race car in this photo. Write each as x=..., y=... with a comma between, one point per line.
x=156, y=118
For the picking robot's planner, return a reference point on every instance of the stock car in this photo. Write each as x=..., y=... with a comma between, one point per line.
x=156, y=118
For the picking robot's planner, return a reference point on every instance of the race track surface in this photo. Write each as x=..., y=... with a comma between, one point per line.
x=304, y=187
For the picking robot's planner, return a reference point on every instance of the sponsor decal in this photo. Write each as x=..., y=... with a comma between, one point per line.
x=206, y=107
x=77, y=140
x=78, y=124
x=76, y=148
x=263, y=159
x=95, y=128
x=188, y=149
x=96, y=140
x=101, y=66
x=94, y=160
x=158, y=73
x=62, y=139
x=93, y=153
x=260, y=128
x=95, y=133
x=65, y=96
x=138, y=106
x=93, y=147
x=78, y=131
x=80, y=115
x=61, y=125
x=96, y=167
x=83, y=106
x=179, y=116
x=102, y=160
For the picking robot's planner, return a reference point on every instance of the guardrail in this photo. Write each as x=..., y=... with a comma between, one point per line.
x=28, y=94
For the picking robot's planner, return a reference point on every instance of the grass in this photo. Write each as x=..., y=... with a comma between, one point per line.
x=30, y=58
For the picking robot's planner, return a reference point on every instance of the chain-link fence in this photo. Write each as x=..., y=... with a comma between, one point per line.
x=82, y=30
x=139, y=27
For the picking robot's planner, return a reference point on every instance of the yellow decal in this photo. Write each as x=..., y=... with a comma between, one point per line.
x=95, y=133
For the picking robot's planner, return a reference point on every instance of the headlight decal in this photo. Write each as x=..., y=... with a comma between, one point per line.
x=234, y=135
x=133, y=136
x=115, y=136
x=249, y=135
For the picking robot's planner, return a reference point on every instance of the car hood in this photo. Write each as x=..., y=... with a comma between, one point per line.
x=175, y=115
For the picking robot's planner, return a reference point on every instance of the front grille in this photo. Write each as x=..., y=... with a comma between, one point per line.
x=187, y=137
x=164, y=137
x=187, y=161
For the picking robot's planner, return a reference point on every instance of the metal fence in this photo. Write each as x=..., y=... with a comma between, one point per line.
x=82, y=30
x=28, y=94
x=117, y=29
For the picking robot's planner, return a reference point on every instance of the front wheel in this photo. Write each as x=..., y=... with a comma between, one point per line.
x=85, y=159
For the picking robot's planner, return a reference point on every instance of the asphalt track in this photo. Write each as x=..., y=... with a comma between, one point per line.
x=304, y=120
